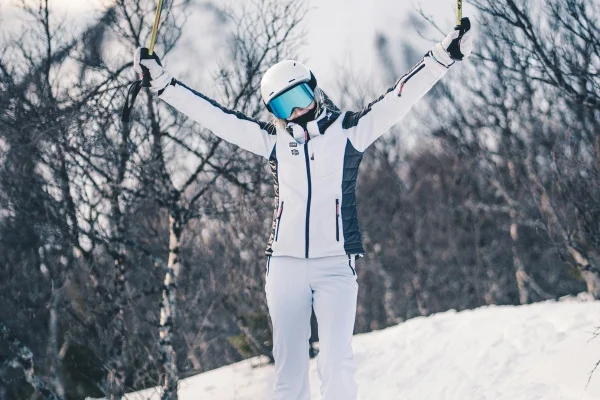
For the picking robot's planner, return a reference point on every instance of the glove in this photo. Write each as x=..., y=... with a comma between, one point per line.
x=457, y=46
x=150, y=69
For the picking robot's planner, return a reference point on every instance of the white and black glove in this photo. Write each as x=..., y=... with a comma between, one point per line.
x=457, y=46
x=150, y=69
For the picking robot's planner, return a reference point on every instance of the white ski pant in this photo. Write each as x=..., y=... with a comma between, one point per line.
x=294, y=286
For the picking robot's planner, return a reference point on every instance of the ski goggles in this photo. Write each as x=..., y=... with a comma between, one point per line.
x=299, y=96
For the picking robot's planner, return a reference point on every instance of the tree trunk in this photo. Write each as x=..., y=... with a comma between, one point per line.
x=420, y=294
x=520, y=273
x=170, y=374
x=52, y=350
x=593, y=283
x=55, y=370
x=116, y=372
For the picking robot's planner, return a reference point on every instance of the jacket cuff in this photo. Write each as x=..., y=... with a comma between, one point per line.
x=441, y=56
x=158, y=84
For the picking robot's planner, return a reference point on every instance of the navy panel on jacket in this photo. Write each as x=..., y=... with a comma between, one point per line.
x=352, y=238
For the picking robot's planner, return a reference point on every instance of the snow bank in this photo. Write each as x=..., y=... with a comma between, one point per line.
x=538, y=351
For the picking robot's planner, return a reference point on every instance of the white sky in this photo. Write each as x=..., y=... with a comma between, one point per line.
x=339, y=32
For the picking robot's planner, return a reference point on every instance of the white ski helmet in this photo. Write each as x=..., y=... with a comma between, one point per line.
x=282, y=76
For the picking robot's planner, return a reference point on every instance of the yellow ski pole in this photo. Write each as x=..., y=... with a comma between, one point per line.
x=155, y=27
x=458, y=13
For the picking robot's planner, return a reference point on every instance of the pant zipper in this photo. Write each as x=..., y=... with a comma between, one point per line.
x=350, y=264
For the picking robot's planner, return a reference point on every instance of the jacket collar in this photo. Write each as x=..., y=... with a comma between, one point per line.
x=329, y=113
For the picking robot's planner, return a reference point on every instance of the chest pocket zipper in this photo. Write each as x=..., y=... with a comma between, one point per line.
x=337, y=220
x=278, y=221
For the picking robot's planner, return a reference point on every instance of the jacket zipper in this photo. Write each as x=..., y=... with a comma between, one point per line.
x=337, y=220
x=278, y=221
x=306, y=159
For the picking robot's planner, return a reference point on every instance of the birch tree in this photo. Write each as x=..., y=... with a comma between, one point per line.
x=262, y=32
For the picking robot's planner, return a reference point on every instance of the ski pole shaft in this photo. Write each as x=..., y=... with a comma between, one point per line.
x=155, y=27
x=458, y=12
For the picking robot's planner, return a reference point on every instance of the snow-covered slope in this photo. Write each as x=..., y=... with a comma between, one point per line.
x=538, y=351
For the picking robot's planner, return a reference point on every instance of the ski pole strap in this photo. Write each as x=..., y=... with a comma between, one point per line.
x=134, y=90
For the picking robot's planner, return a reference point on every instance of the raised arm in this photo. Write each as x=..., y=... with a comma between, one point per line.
x=365, y=126
x=232, y=126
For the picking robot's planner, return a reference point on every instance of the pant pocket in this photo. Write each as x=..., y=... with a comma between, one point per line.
x=279, y=214
x=337, y=220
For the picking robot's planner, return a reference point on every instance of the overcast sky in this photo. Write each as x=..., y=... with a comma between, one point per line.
x=339, y=32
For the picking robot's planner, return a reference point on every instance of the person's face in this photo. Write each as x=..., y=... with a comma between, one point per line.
x=298, y=112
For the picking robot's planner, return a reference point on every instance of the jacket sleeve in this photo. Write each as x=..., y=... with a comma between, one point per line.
x=232, y=126
x=365, y=126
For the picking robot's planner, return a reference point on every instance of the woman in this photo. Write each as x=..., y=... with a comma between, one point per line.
x=314, y=151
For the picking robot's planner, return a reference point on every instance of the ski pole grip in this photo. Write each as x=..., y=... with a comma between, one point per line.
x=145, y=78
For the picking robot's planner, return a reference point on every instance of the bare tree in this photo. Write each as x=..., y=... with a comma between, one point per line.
x=36, y=122
x=547, y=66
x=259, y=39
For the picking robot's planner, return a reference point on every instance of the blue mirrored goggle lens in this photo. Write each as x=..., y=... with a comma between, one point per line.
x=298, y=96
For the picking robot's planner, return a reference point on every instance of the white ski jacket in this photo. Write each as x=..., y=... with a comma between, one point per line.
x=315, y=204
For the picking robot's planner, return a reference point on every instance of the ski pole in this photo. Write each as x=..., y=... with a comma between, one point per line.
x=155, y=27
x=458, y=14
x=136, y=86
x=146, y=77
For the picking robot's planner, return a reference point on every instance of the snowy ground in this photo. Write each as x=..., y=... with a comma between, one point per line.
x=538, y=351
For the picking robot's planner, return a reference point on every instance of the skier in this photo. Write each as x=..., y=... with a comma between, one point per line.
x=314, y=151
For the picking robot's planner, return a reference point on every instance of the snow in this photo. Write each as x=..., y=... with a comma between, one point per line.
x=537, y=351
